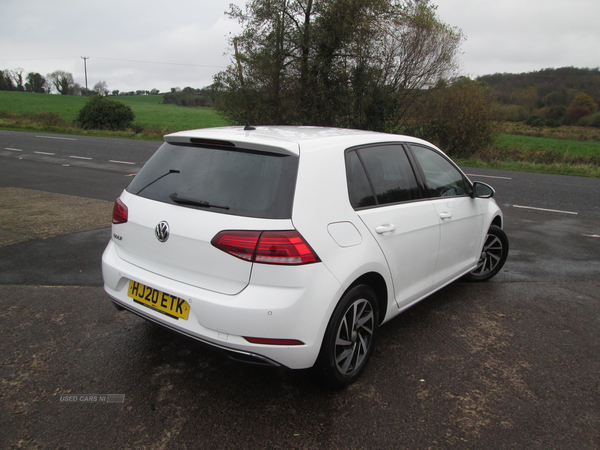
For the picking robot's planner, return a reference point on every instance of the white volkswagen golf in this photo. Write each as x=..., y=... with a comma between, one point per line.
x=292, y=245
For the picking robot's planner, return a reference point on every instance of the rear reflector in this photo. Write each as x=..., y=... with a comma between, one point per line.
x=269, y=341
x=267, y=247
x=120, y=212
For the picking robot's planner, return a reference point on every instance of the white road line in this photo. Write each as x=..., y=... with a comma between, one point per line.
x=544, y=209
x=79, y=157
x=54, y=137
x=120, y=162
x=13, y=149
x=487, y=176
x=44, y=153
x=591, y=235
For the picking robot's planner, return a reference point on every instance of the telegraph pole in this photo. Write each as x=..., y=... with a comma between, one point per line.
x=85, y=58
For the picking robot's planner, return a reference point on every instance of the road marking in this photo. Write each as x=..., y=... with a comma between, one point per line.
x=44, y=153
x=120, y=162
x=544, y=209
x=591, y=235
x=13, y=149
x=54, y=137
x=487, y=176
x=79, y=157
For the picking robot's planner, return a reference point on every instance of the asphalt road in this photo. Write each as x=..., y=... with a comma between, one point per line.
x=511, y=363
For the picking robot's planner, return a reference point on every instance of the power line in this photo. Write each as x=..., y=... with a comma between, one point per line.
x=155, y=62
x=116, y=59
x=36, y=59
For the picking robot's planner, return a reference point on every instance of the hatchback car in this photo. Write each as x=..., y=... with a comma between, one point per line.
x=292, y=245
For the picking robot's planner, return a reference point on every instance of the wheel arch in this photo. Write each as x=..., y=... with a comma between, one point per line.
x=378, y=284
x=497, y=221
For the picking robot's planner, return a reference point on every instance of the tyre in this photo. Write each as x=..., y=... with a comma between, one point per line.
x=349, y=338
x=493, y=255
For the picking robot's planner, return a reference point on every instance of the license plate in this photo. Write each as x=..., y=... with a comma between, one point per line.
x=165, y=303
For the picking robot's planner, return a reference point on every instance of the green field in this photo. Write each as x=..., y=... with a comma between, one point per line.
x=66, y=106
x=530, y=143
x=148, y=109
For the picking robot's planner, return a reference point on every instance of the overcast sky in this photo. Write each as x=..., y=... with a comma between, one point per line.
x=146, y=44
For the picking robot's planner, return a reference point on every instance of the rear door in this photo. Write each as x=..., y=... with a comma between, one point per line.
x=384, y=192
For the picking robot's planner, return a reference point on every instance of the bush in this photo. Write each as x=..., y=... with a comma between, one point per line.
x=553, y=123
x=535, y=121
x=576, y=114
x=590, y=121
x=557, y=112
x=102, y=113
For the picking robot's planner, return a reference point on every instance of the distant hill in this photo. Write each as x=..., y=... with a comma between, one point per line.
x=545, y=88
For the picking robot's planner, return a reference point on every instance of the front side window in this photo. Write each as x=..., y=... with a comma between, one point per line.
x=380, y=175
x=234, y=182
x=442, y=178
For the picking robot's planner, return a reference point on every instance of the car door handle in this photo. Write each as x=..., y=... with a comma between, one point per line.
x=386, y=228
x=445, y=215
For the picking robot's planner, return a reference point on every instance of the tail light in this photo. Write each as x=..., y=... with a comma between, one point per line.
x=120, y=212
x=267, y=247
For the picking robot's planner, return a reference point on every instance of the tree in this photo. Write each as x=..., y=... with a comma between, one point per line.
x=17, y=77
x=458, y=118
x=358, y=63
x=6, y=83
x=76, y=89
x=100, y=88
x=35, y=83
x=62, y=81
x=584, y=100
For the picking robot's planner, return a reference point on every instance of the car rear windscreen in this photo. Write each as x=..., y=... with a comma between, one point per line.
x=238, y=182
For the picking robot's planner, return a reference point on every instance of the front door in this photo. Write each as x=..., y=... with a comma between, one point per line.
x=459, y=215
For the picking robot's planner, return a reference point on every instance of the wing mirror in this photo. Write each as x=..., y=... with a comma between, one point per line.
x=482, y=190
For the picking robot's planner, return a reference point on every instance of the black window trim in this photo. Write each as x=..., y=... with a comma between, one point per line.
x=423, y=192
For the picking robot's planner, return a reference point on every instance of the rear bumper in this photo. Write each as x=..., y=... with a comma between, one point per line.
x=279, y=303
x=233, y=354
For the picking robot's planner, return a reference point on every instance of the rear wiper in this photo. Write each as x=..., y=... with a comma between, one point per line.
x=188, y=201
x=162, y=176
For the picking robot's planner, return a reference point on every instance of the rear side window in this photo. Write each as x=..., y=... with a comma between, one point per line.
x=380, y=175
x=244, y=183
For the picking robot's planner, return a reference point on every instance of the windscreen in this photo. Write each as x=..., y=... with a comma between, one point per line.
x=238, y=182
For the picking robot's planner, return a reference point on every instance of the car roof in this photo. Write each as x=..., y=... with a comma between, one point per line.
x=286, y=139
